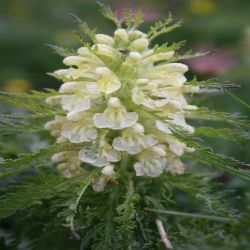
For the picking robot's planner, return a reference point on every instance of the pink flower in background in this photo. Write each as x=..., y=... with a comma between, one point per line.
x=215, y=64
x=149, y=12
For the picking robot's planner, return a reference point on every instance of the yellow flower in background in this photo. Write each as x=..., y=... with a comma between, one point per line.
x=18, y=85
x=202, y=7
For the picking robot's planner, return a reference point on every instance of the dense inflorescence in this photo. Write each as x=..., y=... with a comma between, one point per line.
x=113, y=94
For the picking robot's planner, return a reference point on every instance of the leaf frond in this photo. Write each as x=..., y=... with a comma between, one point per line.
x=107, y=12
x=225, y=133
x=27, y=161
x=211, y=115
x=33, y=191
x=162, y=27
x=62, y=51
x=84, y=28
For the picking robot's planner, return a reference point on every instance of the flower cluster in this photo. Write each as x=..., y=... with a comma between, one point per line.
x=119, y=97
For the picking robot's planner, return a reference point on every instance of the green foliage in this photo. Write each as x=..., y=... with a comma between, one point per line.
x=62, y=51
x=213, y=83
x=17, y=127
x=162, y=27
x=84, y=29
x=206, y=114
x=31, y=193
x=131, y=21
x=109, y=14
x=34, y=102
x=29, y=160
x=224, y=133
x=166, y=48
x=188, y=55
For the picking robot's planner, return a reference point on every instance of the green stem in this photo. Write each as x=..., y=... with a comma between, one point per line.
x=76, y=203
x=199, y=216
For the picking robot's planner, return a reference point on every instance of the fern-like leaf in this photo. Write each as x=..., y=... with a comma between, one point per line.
x=109, y=14
x=213, y=83
x=188, y=55
x=29, y=160
x=62, y=51
x=84, y=28
x=225, y=133
x=126, y=214
x=223, y=117
x=35, y=189
x=162, y=27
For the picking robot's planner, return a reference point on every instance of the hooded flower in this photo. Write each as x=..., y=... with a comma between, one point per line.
x=155, y=160
x=79, y=128
x=115, y=116
x=105, y=154
x=133, y=140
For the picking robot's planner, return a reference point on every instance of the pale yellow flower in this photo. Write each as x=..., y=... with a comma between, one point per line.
x=122, y=97
x=115, y=116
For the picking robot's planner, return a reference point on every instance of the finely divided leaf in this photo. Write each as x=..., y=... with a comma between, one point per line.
x=163, y=27
x=109, y=14
x=36, y=189
x=26, y=161
x=62, y=51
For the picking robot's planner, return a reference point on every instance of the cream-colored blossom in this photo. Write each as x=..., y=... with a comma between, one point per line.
x=121, y=37
x=179, y=119
x=104, y=39
x=100, y=157
x=75, y=103
x=133, y=140
x=144, y=94
x=69, y=169
x=115, y=116
x=55, y=127
x=139, y=45
x=156, y=160
x=99, y=185
x=70, y=163
x=151, y=161
x=107, y=53
x=80, y=129
x=108, y=170
x=107, y=81
x=121, y=97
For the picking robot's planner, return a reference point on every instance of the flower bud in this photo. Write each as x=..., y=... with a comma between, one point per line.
x=121, y=37
x=73, y=60
x=108, y=170
x=104, y=39
x=136, y=34
x=139, y=45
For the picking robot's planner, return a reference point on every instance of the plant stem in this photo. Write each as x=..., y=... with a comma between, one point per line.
x=163, y=234
x=190, y=215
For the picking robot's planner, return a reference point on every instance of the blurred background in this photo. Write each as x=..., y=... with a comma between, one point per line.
x=223, y=27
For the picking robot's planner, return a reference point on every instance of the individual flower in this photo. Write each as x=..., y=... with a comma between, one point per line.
x=69, y=163
x=155, y=160
x=104, y=155
x=115, y=116
x=133, y=140
x=79, y=128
